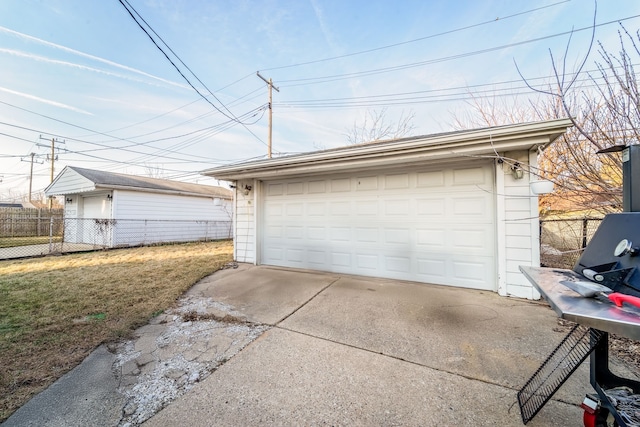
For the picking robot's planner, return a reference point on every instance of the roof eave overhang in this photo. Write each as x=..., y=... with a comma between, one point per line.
x=103, y=188
x=473, y=144
x=160, y=191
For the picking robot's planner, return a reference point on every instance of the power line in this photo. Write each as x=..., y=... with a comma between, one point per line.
x=230, y=116
x=73, y=125
x=414, y=40
x=367, y=73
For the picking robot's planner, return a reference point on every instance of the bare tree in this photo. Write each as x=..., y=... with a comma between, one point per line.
x=602, y=117
x=376, y=127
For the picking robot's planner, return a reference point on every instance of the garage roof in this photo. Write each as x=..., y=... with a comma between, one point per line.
x=74, y=180
x=406, y=151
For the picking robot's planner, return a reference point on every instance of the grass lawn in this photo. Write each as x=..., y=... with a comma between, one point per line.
x=55, y=310
x=10, y=242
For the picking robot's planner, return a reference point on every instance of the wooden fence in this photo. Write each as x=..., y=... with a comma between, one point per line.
x=24, y=222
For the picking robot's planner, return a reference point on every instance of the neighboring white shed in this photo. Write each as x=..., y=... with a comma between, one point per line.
x=111, y=209
x=444, y=209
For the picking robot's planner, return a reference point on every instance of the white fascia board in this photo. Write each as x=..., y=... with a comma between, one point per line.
x=152, y=190
x=456, y=145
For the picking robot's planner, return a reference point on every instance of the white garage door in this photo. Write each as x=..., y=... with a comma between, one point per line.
x=434, y=226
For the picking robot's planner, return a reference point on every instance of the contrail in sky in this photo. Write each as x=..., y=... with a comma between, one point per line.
x=86, y=55
x=45, y=101
x=76, y=65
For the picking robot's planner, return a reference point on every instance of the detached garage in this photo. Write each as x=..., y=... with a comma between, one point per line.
x=451, y=209
x=110, y=209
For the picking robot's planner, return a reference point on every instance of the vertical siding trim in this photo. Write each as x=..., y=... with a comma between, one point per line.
x=501, y=238
x=535, y=220
x=235, y=220
x=258, y=220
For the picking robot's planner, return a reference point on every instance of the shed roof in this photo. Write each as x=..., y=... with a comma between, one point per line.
x=450, y=146
x=99, y=180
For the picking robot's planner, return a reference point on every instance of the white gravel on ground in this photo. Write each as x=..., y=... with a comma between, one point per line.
x=185, y=353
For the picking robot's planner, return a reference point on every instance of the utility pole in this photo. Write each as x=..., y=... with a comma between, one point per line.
x=53, y=160
x=271, y=86
x=31, y=177
x=31, y=173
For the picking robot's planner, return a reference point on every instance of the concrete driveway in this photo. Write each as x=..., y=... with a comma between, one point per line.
x=348, y=350
x=330, y=350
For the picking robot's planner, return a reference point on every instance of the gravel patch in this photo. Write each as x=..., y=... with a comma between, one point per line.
x=177, y=350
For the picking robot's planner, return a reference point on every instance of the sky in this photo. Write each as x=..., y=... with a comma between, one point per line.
x=84, y=76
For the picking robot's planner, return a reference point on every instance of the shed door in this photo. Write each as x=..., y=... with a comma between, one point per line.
x=95, y=227
x=434, y=226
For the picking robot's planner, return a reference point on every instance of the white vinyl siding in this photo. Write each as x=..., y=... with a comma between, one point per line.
x=143, y=218
x=244, y=241
x=521, y=227
x=432, y=225
x=141, y=205
x=72, y=182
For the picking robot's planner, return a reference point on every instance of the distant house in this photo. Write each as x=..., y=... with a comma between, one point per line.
x=112, y=209
x=451, y=209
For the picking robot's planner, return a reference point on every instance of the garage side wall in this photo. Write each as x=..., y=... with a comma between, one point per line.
x=520, y=227
x=244, y=238
x=146, y=218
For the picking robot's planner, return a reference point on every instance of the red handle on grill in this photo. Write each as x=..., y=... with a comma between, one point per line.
x=619, y=298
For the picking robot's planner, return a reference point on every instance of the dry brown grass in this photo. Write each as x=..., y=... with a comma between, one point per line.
x=54, y=311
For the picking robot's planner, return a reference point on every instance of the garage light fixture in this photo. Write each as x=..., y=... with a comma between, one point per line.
x=247, y=190
x=517, y=171
x=69, y=200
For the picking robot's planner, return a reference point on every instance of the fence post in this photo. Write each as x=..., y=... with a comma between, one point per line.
x=584, y=232
x=51, y=234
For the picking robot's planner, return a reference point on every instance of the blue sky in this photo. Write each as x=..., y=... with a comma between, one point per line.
x=84, y=73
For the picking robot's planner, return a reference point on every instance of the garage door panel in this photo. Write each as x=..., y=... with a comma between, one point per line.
x=294, y=188
x=315, y=187
x=470, y=176
x=367, y=207
x=341, y=259
x=272, y=209
x=367, y=235
x=464, y=207
x=471, y=239
x=340, y=234
x=340, y=208
x=275, y=189
x=432, y=226
x=294, y=209
x=274, y=231
x=430, y=179
x=295, y=255
x=317, y=258
x=431, y=238
x=316, y=233
x=398, y=181
x=295, y=232
x=367, y=183
x=397, y=207
x=340, y=185
x=397, y=236
x=367, y=262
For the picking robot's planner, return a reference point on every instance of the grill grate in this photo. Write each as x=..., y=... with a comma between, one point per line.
x=558, y=367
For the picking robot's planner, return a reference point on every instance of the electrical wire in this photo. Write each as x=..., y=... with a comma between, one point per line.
x=230, y=116
x=376, y=49
x=367, y=73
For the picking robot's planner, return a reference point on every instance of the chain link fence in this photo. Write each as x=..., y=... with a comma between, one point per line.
x=66, y=235
x=562, y=240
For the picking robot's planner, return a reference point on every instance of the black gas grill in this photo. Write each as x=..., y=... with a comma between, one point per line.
x=611, y=259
